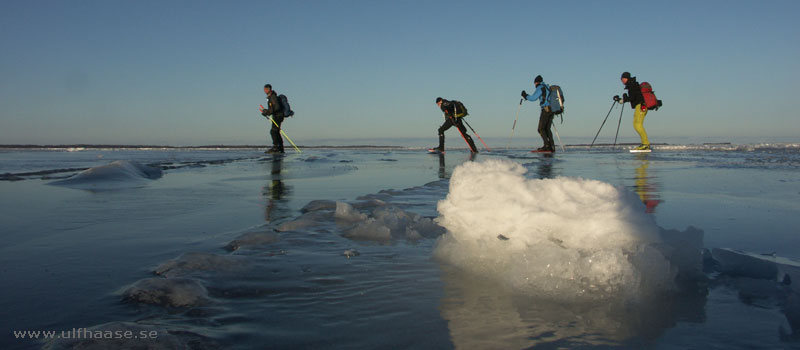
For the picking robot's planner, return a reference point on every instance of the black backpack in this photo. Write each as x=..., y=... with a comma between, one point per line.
x=287, y=110
x=459, y=109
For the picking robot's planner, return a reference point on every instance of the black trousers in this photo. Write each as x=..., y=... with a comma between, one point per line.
x=448, y=122
x=275, y=132
x=545, y=120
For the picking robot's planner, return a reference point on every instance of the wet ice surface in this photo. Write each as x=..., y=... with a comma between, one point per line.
x=335, y=248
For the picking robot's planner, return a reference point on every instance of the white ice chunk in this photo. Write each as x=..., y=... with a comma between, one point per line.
x=762, y=266
x=346, y=212
x=563, y=238
x=742, y=264
x=370, y=230
x=387, y=223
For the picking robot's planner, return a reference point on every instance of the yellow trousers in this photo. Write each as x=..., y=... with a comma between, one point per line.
x=638, y=120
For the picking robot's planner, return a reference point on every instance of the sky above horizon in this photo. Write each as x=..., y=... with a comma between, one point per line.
x=192, y=72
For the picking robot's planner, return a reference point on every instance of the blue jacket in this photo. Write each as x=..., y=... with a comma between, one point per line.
x=541, y=94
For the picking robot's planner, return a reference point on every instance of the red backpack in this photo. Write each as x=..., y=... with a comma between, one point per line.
x=650, y=100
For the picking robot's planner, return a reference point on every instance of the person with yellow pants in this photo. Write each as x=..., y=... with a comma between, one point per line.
x=634, y=96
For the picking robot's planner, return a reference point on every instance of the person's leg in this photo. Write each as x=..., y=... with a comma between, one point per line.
x=463, y=130
x=446, y=125
x=543, y=126
x=549, y=132
x=275, y=132
x=638, y=124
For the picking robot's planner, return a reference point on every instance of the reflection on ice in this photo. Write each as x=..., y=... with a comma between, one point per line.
x=646, y=185
x=482, y=314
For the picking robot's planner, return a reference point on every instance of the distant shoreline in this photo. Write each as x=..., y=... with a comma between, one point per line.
x=100, y=146
x=94, y=146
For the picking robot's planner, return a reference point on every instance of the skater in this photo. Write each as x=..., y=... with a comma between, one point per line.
x=453, y=112
x=275, y=109
x=546, y=116
x=634, y=96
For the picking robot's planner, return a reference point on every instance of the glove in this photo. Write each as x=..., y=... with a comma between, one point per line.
x=264, y=112
x=524, y=94
x=616, y=98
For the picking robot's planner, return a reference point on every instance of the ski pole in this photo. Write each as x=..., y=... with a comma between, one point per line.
x=284, y=134
x=281, y=130
x=479, y=136
x=559, y=137
x=515, y=124
x=604, y=123
x=618, y=123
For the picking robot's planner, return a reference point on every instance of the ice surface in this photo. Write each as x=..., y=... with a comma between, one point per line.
x=567, y=238
x=115, y=175
x=263, y=269
x=201, y=261
x=252, y=239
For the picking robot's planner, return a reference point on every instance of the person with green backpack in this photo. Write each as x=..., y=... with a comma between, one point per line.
x=542, y=93
x=454, y=112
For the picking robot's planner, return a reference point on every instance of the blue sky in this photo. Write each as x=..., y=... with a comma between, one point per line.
x=192, y=72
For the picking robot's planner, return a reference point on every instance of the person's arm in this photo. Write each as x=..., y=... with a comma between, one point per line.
x=448, y=109
x=273, y=106
x=535, y=96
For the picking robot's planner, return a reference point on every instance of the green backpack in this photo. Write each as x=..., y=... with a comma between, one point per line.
x=459, y=109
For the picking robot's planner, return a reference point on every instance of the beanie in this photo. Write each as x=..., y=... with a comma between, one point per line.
x=538, y=79
x=625, y=75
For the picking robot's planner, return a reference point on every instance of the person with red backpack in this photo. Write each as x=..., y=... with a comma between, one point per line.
x=634, y=96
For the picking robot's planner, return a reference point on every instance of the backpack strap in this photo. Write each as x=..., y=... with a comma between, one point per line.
x=546, y=94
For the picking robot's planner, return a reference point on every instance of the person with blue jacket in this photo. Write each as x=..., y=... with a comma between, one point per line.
x=546, y=117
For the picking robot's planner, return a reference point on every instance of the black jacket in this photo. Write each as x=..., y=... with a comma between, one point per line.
x=634, y=95
x=274, y=107
x=448, y=107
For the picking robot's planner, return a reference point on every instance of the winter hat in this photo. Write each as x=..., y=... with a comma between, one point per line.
x=538, y=79
x=438, y=99
x=625, y=75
